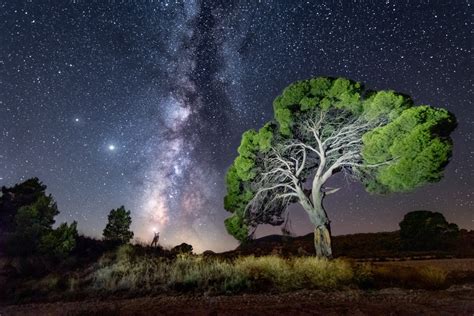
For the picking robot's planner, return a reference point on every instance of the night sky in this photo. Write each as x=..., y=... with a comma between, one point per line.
x=143, y=103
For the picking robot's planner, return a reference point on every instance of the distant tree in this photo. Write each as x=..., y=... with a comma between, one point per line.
x=426, y=230
x=325, y=126
x=12, y=199
x=118, y=226
x=59, y=242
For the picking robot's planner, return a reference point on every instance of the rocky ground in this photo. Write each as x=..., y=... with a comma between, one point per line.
x=457, y=300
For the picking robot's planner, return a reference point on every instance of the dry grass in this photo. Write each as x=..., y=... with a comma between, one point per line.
x=428, y=277
x=189, y=272
x=132, y=273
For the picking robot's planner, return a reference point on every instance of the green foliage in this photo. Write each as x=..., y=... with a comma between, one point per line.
x=12, y=199
x=418, y=143
x=425, y=230
x=263, y=139
x=59, y=242
x=236, y=227
x=242, y=172
x=409, y=147
x=387, y=103
x=118, y=226
x=247, y=147
x=238, y=193
x=324, y=93
x=245, y=168
x=32, y=223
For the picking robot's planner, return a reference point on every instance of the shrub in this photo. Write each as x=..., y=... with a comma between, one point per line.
x=267, y=271
x=183, y=248
x=432, y=277
x=321, y=273
x=59, y=242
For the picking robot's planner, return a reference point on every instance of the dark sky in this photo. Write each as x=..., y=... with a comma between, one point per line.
x=143, y=103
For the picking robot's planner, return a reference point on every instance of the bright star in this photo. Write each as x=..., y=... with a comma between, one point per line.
x=76, y=119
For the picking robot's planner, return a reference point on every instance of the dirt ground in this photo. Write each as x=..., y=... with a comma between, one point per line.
x=457, y=300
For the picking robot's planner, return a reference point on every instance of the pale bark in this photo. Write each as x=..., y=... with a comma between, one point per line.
x=282, y=181
x=322, y=241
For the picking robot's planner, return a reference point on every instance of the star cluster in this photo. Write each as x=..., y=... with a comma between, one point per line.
x=142, y=103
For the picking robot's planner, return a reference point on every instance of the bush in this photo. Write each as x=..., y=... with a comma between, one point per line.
x=183, y=248
x=321, y=273
x=59, y=242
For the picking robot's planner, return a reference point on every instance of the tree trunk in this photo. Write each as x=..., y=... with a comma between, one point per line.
x=318, y=216
x=322, y=241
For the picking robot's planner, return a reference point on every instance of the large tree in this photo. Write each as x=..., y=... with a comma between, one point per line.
x=324, y=126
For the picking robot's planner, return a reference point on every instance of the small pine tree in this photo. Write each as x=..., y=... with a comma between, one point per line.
x=118, y=226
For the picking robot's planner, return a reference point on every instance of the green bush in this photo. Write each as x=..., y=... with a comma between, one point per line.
x=59, y=242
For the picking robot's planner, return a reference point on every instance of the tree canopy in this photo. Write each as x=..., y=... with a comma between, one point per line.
x=326, y=125
x=12, y=199
x=27, y=216
x=426, y=230
x=118, y=226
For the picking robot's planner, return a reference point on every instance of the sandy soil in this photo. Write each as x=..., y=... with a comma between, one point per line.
x=457, y=300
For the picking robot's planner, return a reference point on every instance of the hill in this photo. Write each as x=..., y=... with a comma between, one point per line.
x=376, y=246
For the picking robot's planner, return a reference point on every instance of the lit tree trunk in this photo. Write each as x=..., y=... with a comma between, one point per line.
x=322, y=229
x=322, y=241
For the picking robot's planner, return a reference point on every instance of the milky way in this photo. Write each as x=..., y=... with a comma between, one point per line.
x=142, y=103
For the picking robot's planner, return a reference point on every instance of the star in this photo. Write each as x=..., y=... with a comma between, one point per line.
x=170, y=86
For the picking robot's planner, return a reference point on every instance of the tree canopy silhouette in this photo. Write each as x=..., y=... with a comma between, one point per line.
x=27, y=219
x=324, y=126
x=12, y=199
x=118, y=226
x=426, y=230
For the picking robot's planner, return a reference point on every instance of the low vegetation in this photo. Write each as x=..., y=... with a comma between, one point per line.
x=128, y=271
